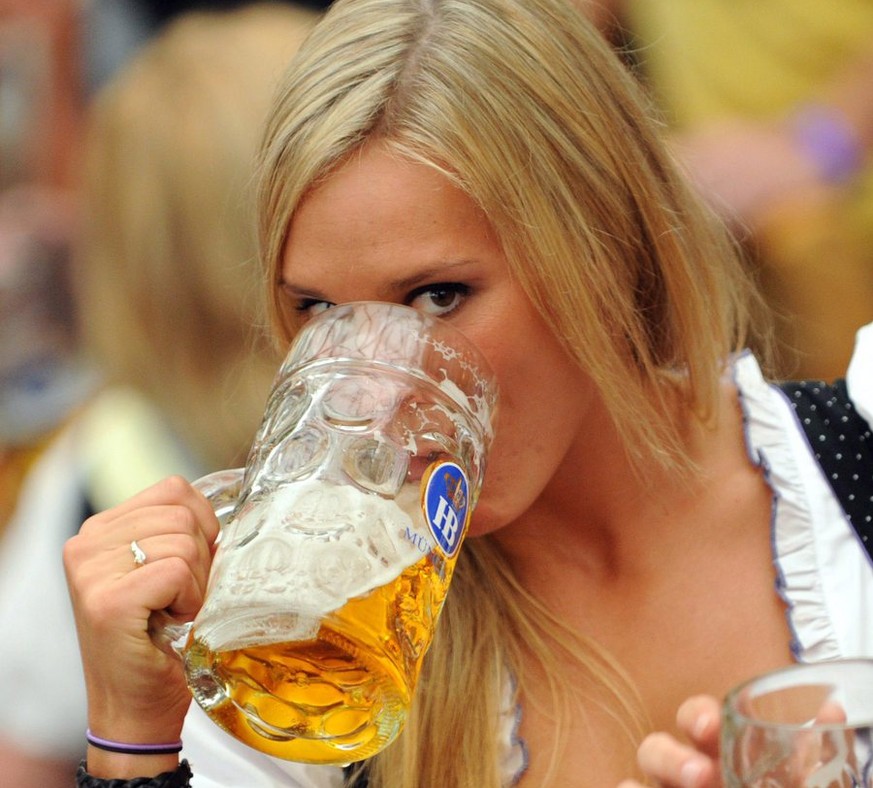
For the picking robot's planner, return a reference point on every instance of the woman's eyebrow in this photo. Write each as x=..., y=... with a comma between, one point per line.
x=437, y=272
x=301, y=292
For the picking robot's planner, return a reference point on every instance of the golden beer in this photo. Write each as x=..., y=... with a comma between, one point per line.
x=340, y=697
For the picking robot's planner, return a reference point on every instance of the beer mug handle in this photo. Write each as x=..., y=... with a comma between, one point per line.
x=222, y=490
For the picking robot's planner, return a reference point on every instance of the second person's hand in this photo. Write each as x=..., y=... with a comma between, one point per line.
x=671, y=763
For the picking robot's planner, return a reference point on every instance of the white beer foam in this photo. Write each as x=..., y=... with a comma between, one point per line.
x=303, y=553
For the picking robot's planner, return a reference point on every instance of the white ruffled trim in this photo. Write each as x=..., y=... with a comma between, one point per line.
x=823, y=572
x=514, y=755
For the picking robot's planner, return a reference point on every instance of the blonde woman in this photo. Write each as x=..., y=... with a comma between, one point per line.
x=491, y=163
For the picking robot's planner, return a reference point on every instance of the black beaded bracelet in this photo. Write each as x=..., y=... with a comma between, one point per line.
x=179, y=778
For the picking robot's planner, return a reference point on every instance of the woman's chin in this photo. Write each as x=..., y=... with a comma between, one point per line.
x=485, y=520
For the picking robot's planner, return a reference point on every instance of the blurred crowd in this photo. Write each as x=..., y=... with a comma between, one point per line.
x=131, y=342
x=769, y=107
x=130, y=351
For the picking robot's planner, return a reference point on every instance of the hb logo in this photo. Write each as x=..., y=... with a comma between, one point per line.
x=445, y=506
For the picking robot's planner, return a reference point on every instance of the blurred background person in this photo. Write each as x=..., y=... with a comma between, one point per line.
x=41, y=379
x=770, y=106
x=164, y=239
x=113, y=29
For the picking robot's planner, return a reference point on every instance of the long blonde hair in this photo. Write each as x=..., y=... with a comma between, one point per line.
x=525, y=107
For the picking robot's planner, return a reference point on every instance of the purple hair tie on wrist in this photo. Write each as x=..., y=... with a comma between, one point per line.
x=829, y=139
x=133, y=749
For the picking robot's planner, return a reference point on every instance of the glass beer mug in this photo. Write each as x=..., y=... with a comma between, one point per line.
x=340, y=535
x=809, y=725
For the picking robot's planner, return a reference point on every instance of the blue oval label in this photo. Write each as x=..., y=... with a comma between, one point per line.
x=445, y=501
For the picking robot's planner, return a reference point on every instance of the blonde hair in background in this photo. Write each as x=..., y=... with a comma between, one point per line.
x=525, y=107
x=166, y=278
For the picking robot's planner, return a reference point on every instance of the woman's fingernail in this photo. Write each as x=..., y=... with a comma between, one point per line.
x=701, y=724
x=690, y=773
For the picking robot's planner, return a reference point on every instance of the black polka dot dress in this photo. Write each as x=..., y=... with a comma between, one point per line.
x=841, y=441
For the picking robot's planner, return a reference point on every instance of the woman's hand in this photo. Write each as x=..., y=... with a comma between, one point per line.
x=136, y=692
x=673, y=764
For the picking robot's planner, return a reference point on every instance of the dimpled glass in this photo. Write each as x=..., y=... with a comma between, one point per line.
x=341, y=534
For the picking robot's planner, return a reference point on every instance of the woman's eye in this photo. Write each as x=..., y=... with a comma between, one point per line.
x=310, y=307
x=439, y=300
